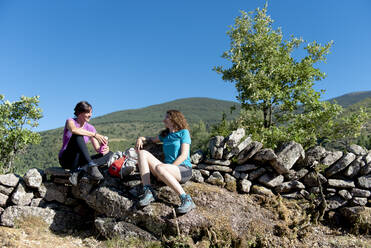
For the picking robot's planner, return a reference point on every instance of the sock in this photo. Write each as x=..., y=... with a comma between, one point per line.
x=145, y=187
x=183, y=196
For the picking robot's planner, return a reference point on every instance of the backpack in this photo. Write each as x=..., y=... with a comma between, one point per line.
x=125, y=164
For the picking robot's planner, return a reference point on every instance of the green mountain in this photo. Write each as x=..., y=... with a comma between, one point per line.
x=351, y=98
x=123, y=127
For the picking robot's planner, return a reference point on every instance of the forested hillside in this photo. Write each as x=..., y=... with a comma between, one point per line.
x=123, y=127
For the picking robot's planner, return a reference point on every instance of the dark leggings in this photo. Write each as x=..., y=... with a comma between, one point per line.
x=77, y=155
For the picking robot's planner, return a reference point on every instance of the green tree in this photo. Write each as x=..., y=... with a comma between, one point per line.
x=16, y=121
x=200, y=136
x=276, y=89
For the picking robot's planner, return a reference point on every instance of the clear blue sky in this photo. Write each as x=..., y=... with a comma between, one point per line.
x=122, y=55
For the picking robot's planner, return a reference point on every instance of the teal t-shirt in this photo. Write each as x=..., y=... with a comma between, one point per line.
x=172, y=146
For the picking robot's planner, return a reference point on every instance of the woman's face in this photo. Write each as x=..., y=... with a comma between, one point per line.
x=167, y=121
x=85, y=116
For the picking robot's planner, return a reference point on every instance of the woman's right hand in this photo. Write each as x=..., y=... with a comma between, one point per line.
x=139, y=143
x=101, y=139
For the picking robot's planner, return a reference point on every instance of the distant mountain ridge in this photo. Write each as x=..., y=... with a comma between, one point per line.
x=351, y=98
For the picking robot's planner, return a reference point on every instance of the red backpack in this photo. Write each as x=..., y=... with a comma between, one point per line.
x=115, y=167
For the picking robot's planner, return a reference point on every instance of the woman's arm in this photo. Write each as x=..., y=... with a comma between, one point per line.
x=80, y=131
x=184, y=150
x=141, y=140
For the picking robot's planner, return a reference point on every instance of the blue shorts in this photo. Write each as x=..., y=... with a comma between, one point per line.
x=185, y=173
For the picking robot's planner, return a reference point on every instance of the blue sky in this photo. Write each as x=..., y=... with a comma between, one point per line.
x=122, y=55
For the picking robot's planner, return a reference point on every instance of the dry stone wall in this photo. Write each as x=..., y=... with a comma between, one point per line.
x=236, y=163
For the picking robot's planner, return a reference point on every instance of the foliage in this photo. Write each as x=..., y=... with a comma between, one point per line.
x=277, y=87
x=200, y=136
x=16, y=121
x=224, y=127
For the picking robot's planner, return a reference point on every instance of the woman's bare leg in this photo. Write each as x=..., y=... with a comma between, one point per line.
x=170, y=175
x=147, y=163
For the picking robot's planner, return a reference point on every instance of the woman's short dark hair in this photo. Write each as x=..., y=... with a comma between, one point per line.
x=82, y=107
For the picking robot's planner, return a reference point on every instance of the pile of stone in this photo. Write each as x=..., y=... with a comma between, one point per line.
x=240, y=164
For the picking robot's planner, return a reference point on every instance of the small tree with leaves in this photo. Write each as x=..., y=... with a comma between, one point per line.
x=16, y=121
x=274, y=88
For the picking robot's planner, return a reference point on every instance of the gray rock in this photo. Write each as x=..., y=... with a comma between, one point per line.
x=365, y=182
x=217, y=162
x=55, y=192
x=33, y=178
x=340, y=165
x=236, y=150
x=230, y=182
x=354, y=168
x=264, y=155
x=216, y=147
x=205, y=173
x=111, y=228
x=345, y=194
x=294, y=195
x=10, y=180
x=38, y=202
x=3, y=200
x=287, y=157
x=365, y=170
x=235, y=137
x=197, y=157
x=357, y=150
x=359, y=201
x=360, y=192
x=197, y=176
x=214, y=167
x=57, y=171
x=295, y=175
x=335, y=202
x=271, y=180
x=249, y=151
x=58, y=220
x=6, y=190
x=260, y=190
x=20, y=196
x=331, y=157
x=357, y=217
x=246, y=167
x=216, y=179
x=245, y=186
x=314, y=154
x=256, y=173
x=331, y=190
x=311, y=179
x=287, y=187
x=338, y=183
x=367, y=158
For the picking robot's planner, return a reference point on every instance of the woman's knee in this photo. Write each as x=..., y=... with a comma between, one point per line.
x=161, y=170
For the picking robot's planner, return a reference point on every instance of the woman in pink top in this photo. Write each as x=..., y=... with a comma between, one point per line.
x=74, y=154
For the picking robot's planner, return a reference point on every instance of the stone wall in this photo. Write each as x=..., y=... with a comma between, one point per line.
x=236, y=163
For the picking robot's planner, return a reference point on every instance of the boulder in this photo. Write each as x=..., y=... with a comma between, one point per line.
x=256, y=173
x=291, y=186
x=365, y=182
x=236, y=150
x=246, y=167
x=3, y=200
x=234, y=138
x=197, y=176
x=216, y=179
x=354, y=168
x=314, y=154
x=249, y=151
x=335, y=202
x=264, y=155
x=245, y=186
x=260, y=190
x=197, y=157
x=331, y=157
x=357, y=150
x=21, y=196
x=338, y=183
x=57, y=220
x=270, y=180
x=230, y=182
x=340, y=165
x=216, y=147
x=287, y=157
x=214, y=168
x=111, y=228
x=217, y=162
x=6, y=190
x=33, y=178
x=10, y=180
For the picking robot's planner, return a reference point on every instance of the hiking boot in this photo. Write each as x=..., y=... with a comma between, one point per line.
x=186, y=205
x=147, y=197
x=74, y=178
x=94, y=173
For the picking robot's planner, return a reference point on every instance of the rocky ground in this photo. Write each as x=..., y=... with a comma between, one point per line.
x=264, y=222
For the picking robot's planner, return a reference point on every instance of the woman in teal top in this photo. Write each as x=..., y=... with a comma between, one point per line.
x=176, y=168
